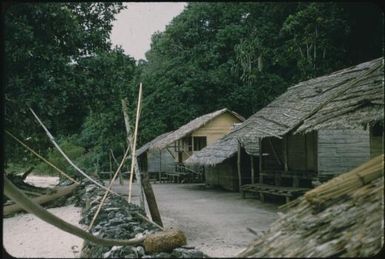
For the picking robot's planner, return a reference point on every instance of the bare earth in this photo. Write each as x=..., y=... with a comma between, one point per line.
x=214, y=221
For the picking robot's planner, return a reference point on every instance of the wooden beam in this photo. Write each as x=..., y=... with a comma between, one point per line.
x=151, y=201
x=239, y=166
x=252, y=169
x=285, y=143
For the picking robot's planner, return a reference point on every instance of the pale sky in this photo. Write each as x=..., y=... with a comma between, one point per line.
x=135, y=25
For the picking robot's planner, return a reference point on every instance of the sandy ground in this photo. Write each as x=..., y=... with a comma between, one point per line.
x=25, y=235
x=214, y=221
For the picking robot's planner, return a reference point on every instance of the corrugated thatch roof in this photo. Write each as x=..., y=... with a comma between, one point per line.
x=315, y=97
x=346, y=98
x=337, y=219
x=149, y=144
x=192, y=126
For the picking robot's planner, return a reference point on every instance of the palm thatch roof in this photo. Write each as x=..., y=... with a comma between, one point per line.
x=343, y=217
x=149, y=144
x=215, y=153
x=346, y=98
x=316, y=98
x=192, y=126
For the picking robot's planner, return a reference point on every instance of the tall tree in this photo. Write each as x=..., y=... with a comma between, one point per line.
x=43, y=41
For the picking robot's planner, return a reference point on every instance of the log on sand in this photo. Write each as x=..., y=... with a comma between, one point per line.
x=57, y=193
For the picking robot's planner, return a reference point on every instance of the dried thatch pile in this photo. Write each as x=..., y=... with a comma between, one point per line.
x=343, y=217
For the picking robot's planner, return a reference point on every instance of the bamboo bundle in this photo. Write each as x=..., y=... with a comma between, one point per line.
x=347, y=182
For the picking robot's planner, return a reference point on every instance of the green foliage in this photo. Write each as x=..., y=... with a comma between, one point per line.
x=59, y=61
x=73, y=151
x=42, y=42
x=243, y=55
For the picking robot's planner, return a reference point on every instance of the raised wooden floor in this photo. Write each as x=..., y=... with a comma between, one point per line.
x=261, y=189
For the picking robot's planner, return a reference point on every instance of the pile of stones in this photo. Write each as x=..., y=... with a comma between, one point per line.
x=118, y=219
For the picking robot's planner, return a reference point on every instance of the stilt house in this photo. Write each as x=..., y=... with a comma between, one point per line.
x=314, y=131
x=167, y=152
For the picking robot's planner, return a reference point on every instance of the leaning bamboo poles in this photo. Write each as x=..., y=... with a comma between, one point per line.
x=133, y=156
x=129, y=142
x=65, y=156
x=42, y=158
x=108, y=189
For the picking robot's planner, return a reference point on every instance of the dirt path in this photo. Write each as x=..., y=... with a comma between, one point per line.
x=214, y=221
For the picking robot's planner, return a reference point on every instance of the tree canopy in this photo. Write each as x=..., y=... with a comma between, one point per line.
x=59, y=60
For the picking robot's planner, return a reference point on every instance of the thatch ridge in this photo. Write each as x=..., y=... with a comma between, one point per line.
x=191, y=126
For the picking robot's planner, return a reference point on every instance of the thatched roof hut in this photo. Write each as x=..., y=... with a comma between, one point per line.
x=343, y=217
x=192, y=126
x=348, y=98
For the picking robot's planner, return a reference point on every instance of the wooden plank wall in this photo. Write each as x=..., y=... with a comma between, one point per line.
x=223, y=175
x=341, y=150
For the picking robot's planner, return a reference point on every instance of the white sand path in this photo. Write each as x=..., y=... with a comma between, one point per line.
x=25, y=235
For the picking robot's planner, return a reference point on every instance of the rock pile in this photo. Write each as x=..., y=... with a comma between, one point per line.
x=119, y=219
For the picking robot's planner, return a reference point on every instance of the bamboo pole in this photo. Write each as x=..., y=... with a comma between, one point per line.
x=120, y=172
x=133, y=156
x=239, y=166
x=130, y=144
x=66, y=157
x=42, y=158
x=108, y=189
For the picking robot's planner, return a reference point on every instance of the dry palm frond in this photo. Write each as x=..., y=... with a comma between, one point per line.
x=347, y=182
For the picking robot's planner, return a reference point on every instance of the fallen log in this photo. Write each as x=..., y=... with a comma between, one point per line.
x=43, y=199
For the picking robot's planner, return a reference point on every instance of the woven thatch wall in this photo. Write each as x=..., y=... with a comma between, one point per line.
x=223, y=175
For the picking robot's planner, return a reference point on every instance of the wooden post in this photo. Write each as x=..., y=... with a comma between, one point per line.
x=151, y=201
x=252, y=169
x=133, y=147
x=285, y=141
x=260, y=160
x=160, y=164
x=110, y=174
x=120, y=171
x=239, y=166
